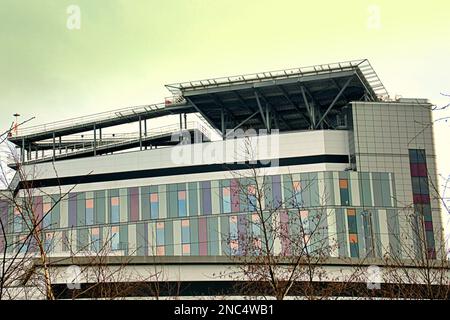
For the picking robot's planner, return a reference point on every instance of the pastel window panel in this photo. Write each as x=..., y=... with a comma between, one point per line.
x=186, y=249
x=297, y=194
x=235, y=201
x=48, y=242
x=203, y=236
x=133, y=203
x=185, y=234
x=206, y=197
x=226, y=199
x=160, y=234
x=17, y=220
x=115, y=209
x=182, y=212
x=344, y=193
x=47, y=215
x=233, y=238
x=252, y=200
x=95, y=239
x=154, y=206
x=115, y=238
x=276, y=191
x=89, y=212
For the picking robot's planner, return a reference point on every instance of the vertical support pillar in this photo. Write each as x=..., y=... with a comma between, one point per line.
x=29, y=152
x=145, y=131
x=54, y=146
x=22, y=151
x=222, y=123
x=140, y=133
x=185, y=121
x=59, y=145
x=95, y=140
x=100, y=135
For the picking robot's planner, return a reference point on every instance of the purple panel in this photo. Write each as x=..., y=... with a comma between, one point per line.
x=418, y=169
x=276, y=189
x=234, y=186
x=38, y=211
x=202, y=237
x=428, y=226
x=134, y=203
x=72, y=210
x=421, y=198
x=242, y=234
x=285, y=242
x=206, y=197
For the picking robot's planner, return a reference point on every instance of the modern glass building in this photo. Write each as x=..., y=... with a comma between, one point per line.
x=333, y=140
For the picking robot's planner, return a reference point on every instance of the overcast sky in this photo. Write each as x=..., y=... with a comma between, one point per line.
x=125, y=51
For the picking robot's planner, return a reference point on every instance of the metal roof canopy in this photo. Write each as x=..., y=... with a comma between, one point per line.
x=294, y=99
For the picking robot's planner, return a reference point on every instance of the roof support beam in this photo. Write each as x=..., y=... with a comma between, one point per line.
x=334, y=101
x=288, y=98
x=278, y=115
x=261, y=111
x=243, y=122
x=312, y=117
x=202, y=113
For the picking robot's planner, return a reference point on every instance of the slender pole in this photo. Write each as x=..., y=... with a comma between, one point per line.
x=95, y=140
x=54, y=146
x=140, y=133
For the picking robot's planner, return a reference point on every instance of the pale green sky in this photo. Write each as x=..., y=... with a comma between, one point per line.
x=126, y=50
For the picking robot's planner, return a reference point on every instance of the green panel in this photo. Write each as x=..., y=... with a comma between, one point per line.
x=376, y=185
x=83, y=239
x=193, y=226
x=287, y=186
x=306, y=189
x=268, y=195
x=341, y=232
x=314, y=189
x=55, y=216
x=365, y=189
x=225, y=234
x=123, y=238
x=100, y=206
x=140, y=239
x=385, y=190
x=168, y=238
x=172, y=201
x=193, y=198
x=81, y=209
x=329, y=188
x=213, y=235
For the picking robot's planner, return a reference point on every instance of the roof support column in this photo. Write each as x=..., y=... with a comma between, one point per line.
x=54, y=146
x=261, y=110
x=185, y=121
x=95, y=140
x=201, y=113
x=222, y=123
x=59, y=144
x=145, y=131
x=309, y=109
x=334, y=100
x=22, y=151
x=140, y=133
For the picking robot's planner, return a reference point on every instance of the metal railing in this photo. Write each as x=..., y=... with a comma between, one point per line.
x=364, y=65
x=93, y=118
x=123, y=139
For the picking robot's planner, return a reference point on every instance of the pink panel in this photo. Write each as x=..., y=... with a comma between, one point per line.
x=202, y=237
